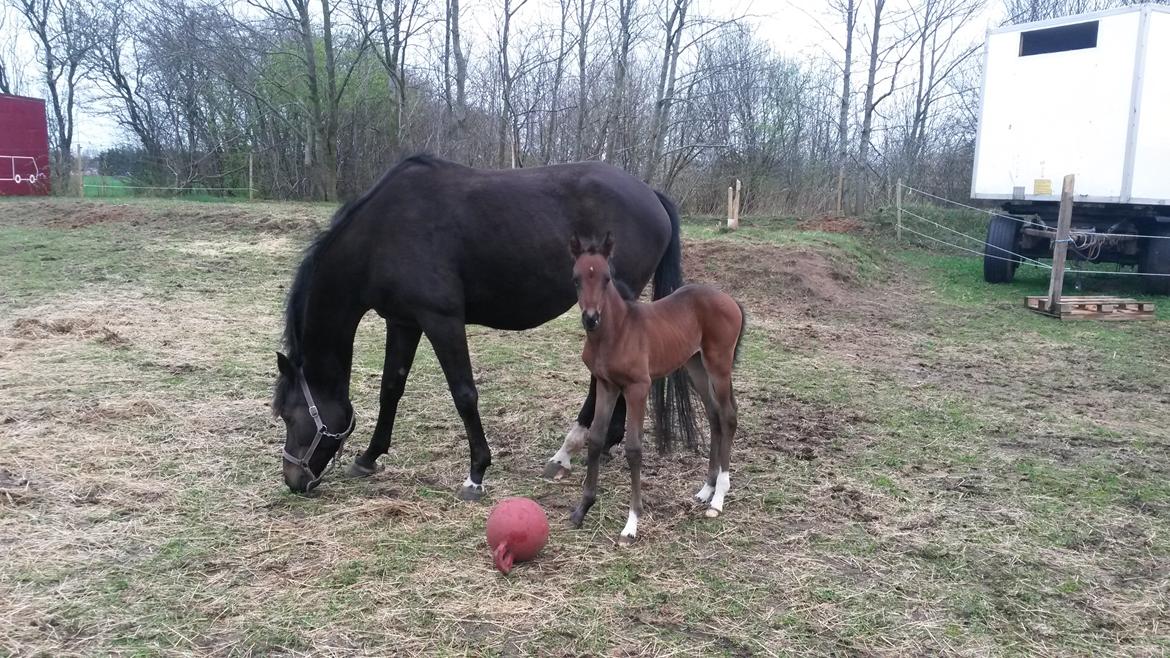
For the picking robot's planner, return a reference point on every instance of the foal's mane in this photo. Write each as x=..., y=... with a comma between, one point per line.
x=298, y=292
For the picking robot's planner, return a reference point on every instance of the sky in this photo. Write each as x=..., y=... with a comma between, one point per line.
x=796, y=28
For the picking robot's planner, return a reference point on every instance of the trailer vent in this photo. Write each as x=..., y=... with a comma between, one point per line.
x=1059, y=39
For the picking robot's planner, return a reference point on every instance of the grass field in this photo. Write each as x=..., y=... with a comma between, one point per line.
x=923, y=466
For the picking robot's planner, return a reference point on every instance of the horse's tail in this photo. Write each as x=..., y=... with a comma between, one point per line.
x=742, y=329
x=673, y=412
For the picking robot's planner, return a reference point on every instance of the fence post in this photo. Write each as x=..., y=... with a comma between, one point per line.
x=1060, y=246
x=250, y=188
x=730, y=207
x=898, y=195
x=80, y=173
x=738, y=187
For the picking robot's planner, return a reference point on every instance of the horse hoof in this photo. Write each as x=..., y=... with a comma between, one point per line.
x=625, y=541
x=554, y=471
x=471, y=492
x=359, y=470
x=576, y=519
x=712, y=513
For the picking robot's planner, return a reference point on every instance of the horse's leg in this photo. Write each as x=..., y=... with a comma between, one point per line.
x=636, y=400
x=606, y=399
x=448, y=335
x=560, y=464
x=702, y=384
x=725, y=401
x=401, y=344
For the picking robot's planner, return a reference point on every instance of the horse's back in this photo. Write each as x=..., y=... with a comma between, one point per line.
x=496, y=241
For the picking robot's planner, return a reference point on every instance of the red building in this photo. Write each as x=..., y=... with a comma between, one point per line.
x=24, y=147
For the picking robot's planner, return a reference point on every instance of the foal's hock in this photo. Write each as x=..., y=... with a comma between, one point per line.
x=630, y=344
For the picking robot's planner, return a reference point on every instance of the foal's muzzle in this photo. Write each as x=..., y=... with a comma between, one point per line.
x=590, y=320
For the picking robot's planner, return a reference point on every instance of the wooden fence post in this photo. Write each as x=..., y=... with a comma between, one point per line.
x=80, y=173
x=898, y=194
x=738, y=203
x=730, y=207
x=1060, y=246
x=250, y=188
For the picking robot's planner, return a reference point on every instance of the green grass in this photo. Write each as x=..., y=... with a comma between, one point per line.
x=923, y=465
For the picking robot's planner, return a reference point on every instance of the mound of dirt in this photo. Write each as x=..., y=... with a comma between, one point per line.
x=780, y=279
x=36, y=328
x=831, y=224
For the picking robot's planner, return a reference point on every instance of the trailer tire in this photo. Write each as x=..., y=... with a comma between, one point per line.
x=1002, y=233
x=1156, y=260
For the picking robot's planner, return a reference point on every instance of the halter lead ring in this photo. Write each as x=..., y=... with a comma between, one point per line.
x=322, y=431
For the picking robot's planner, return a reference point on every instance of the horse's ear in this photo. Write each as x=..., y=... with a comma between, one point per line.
x=607, y=244
x=284, y=365
x=575, y=246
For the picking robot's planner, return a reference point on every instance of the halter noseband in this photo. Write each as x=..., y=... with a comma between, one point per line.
x=322, y=431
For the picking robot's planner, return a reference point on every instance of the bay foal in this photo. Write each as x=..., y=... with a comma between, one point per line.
x=629, y=344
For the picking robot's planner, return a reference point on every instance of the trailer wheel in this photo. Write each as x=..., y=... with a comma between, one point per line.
x=1156, y=260
x=999, y=258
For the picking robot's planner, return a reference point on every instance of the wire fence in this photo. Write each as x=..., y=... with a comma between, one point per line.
x=1086, y=245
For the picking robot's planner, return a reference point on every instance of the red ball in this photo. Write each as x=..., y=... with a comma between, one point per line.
x=517, y=529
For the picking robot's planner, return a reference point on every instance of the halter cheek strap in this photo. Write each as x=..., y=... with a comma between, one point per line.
x=322, y=431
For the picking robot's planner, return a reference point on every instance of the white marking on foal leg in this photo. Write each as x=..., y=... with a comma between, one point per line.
x=705, y=493
x=574, y=440
x=631, y=529
x=478, y=486
x=722, y=485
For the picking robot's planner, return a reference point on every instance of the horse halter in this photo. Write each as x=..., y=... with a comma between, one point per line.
x=322, y=431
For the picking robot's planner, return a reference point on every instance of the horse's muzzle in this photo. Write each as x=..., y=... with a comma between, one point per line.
x=298, y=479
x=590, y=320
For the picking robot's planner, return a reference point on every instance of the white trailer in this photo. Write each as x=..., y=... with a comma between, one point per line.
x=1087, y=95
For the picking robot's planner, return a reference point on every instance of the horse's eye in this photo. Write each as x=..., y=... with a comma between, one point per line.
x=576, y=282
x=607, y=280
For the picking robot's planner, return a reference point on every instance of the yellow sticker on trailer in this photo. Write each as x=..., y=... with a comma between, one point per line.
x=1042, y=187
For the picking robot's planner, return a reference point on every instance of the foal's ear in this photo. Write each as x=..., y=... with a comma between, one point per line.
x=607, y=244
x=575, y=246
x=284, y=366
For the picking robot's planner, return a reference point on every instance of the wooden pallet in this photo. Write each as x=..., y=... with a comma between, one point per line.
x=1093, y=308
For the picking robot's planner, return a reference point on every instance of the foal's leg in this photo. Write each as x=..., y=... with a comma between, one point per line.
x=636, y=397
x=725, y=401
x=560, y=464
x=448, y=335
x=606, y=399
x=401, y=344
x=702, y=383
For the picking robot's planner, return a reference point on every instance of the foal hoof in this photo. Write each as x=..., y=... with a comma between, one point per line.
x=554, y=471
x=711, y=513
x=358, y=470
x=577, y=518
x=471, y=492
x=625, y=541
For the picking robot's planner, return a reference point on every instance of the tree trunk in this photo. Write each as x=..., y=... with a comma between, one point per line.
x=660, y=119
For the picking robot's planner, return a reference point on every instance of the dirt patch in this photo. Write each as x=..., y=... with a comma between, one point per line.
x=798, y=429
x=76, y=214
x=782, y=279
x=36, y=328
x=832, y=224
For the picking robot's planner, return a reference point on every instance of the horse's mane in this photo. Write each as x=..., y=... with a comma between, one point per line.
x=298, y=293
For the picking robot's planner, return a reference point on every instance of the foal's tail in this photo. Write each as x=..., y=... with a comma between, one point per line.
x=742, y=329
x=673, y=412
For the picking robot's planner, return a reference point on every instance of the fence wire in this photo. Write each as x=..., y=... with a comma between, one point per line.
x=1013, y=256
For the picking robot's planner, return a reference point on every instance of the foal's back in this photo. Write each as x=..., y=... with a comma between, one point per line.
x=694, y=318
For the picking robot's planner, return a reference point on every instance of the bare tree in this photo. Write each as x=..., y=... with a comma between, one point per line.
x=63, y=35
x=673, y=26
x=847, y=9
x=885, y=56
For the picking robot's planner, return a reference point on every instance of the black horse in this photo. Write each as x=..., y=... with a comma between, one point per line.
x=434, y=246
